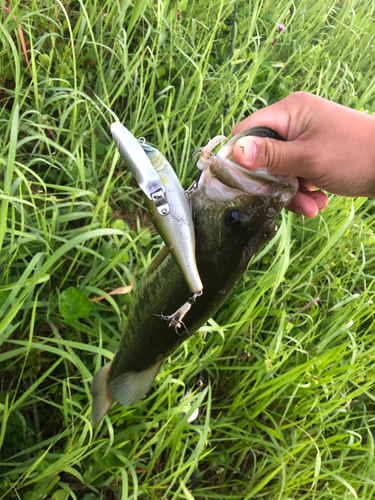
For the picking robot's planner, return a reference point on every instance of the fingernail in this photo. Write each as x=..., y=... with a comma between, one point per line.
x=319, y=202
x=249, y=148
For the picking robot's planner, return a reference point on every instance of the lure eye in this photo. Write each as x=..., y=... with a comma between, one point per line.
x=233, y=219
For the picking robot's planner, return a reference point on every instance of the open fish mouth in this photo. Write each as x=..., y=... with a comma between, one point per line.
x=225, y=180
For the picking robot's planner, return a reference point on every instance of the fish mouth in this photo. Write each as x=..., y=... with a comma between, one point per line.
x=225, y=180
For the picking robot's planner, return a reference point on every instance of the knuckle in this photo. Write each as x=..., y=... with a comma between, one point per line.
x=298, y=98
x=299, y=95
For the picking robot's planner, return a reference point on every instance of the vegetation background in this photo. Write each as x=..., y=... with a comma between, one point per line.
x=288, y=407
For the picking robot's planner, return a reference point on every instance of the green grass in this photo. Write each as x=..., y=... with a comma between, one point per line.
x=295, y=419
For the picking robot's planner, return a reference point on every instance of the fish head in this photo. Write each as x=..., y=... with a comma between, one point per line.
x=221, y=173
x=236, y=210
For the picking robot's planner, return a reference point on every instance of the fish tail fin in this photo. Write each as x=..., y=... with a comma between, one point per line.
x=102, y=400
x=130, y=387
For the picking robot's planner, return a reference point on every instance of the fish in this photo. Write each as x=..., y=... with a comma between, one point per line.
x=235, y=213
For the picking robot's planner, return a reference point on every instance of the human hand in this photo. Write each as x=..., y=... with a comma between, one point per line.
x=327, y=145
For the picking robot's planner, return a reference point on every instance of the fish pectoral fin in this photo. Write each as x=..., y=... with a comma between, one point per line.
x=130, y=387
x=101, y=398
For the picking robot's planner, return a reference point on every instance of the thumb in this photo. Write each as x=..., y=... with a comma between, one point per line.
x=279, y=157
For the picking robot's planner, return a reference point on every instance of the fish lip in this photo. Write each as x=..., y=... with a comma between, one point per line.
x=229, y=175
x=224, y=181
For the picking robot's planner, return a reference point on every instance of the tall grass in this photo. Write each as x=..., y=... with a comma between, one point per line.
x=288, y=404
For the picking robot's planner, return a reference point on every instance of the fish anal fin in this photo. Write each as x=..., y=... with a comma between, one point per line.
x=130, y=387
x=101, y=398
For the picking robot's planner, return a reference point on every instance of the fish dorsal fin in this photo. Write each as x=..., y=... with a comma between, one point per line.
x=130, y=387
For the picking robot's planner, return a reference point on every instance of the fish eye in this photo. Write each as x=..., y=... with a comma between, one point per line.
x=234, y=219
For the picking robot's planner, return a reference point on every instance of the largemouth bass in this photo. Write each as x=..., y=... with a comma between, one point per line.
x=235, y=213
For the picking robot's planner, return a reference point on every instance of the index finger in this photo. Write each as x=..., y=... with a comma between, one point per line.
x=289, y=117
x=275, y=117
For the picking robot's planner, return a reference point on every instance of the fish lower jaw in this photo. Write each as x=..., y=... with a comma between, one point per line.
x=217, y=191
